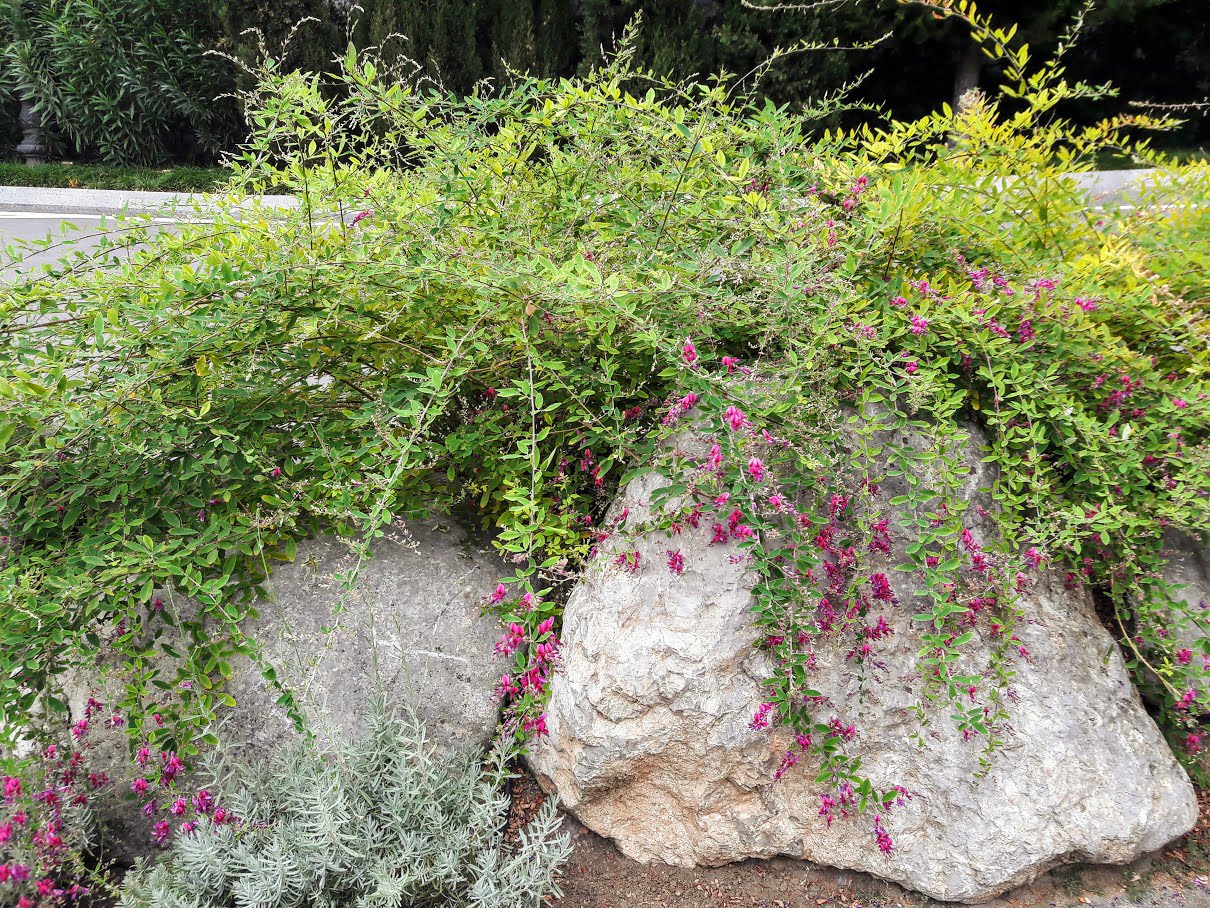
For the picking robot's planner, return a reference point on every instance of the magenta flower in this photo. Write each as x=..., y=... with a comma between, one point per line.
x=898, y=301
x=735, y=418
x=1193, y=742
x=730, y=362
x=1086, y=305
x=687, y=402
x=689, y=352
x=761, y=718
x=203, y=801
x=885, y=845
x=920, y=325
x=720, y=534
x=12, y=788
x=161, y=832
x=776, y=502
x=881, y=587
x=546, y=627
x=1178, y=403
x=756, y=468
x=500, y=593
x=510, y=640
x=676, y=562
x=911, y=367
x=139, y=786
x=1184, y=657
x=628, y=561
x=361, y=216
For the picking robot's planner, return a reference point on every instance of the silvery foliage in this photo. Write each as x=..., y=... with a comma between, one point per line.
x=386, y=822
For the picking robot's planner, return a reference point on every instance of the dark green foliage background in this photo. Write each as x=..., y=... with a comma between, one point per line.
x=1151, y=49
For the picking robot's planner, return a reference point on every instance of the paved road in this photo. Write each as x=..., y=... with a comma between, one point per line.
x=69, y=232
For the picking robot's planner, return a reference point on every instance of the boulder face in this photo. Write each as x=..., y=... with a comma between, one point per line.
x=413, y=630
x=650, y=743
x=1188, y=570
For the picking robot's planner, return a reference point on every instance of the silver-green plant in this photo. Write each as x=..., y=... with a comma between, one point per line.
x=385, y=821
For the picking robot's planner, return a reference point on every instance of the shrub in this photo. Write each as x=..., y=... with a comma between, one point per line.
x=382, y=821
x=121, y=79
x=502, y=304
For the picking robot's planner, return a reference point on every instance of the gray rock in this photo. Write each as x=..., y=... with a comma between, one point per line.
x=650, y=742
x=1188, y=570
x=413, y=629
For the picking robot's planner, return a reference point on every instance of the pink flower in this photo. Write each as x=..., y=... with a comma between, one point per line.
x=776, y=502
x=203, y=801
x=12, y=788
x=911, y=367
x=1193, y=742
x=676, y=562
x=730, y=362
x=687, y=402
x=756, y=468
x=1178, y=403
x=536, y=727
x=361, y=216
x=689, y=352
x=885, y=845
x=761, y=718
x=139, y=786
x=898, y=301
x=143, y=756
x=735, y=418
x=628, y=561
x=171, y=768
x=500, y=593
x=881, y=587
x=161, y=832
x=545, y=627
x=920, y=325
x=178, y=807
x=1184, y=657
x=1086, y=305
x=510, y=640
x=714, y=459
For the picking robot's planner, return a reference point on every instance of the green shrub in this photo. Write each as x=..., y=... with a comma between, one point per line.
x=502, y=304
x=126, y=80
x=384, y=821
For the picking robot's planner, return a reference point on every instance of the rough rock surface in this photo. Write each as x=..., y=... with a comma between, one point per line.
x=650, y=742
x=413, y=629
x=1188, y=568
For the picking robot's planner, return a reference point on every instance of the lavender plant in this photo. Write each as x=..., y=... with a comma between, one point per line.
x=385, y=820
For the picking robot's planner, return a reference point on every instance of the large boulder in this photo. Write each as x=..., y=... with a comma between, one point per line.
x=650, y=742
x=1188, y=570
x=414, y=630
